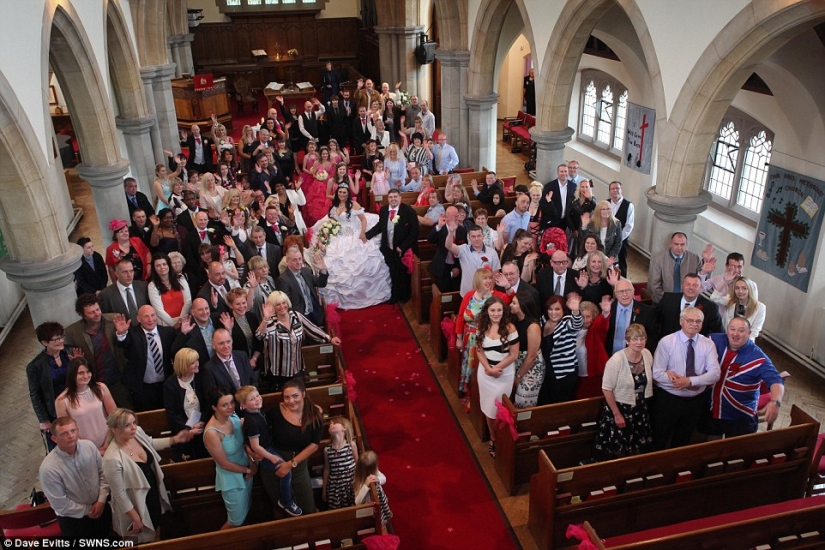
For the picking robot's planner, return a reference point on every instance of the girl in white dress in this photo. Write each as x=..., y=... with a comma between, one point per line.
x=358, y=275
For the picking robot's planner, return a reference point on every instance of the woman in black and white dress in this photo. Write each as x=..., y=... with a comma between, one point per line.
x=498, y=346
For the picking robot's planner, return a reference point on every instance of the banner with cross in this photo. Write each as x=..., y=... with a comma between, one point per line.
x=638, y=143
x=788, y=231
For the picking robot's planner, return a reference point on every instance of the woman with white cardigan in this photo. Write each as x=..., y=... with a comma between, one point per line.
x=131, y=465
x=743, y=302
x=627, y=384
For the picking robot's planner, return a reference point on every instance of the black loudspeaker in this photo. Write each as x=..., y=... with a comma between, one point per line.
x=425, y=53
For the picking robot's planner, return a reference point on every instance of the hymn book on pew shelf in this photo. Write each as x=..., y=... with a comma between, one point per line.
x=714, y=468
x=735, y=465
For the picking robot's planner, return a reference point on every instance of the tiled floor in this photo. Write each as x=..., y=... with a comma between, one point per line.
x=23, y=450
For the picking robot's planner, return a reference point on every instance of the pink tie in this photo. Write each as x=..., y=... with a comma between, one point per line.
x=392, y=214
x=203, y=235
x=198, y=140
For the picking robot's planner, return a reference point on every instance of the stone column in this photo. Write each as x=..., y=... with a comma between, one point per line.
x=107, y=189
x=397, y=57
x=672, y=214
x=188, y=66
x=137, y=133
x=549, y=151
x=454, y=119
x=49, y=285
x=482, y=131
x=157, y=80
x=173, y=45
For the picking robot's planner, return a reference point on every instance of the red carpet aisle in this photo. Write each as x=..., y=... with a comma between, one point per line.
x=437, y=494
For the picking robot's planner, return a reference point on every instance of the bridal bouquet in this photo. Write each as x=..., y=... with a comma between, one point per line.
x=403, y=98
x=328, y=230
x=321, y=175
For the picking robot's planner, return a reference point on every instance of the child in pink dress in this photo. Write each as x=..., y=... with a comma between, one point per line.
x=315, y=190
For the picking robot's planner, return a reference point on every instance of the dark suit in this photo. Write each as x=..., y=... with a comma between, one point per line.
x=339, y=124
x=438, y=266
x=112, y=302
x=146, y=397
x=173, y=397
x=272, y=236
x=185, y=223
x=525, y=287
x=287, y=284
x=551, y=213
x=193, y=241
x=640, y=313
x=238, y=338
x=272, y=255
x=88, y=280
x=404, y=237
x=193, y=340
x=208, y=165
x=329, y=84
x=669, y=309
x=143, y=203
x=360, y=134
x=206, y=293
x=215, y=374
x=142, y=234
x=546, y=284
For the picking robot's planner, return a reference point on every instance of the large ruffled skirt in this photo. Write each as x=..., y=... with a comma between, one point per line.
x=358, y=275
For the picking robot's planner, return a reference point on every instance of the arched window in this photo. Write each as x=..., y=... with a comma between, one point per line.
x=737, y=181
x=602, y=121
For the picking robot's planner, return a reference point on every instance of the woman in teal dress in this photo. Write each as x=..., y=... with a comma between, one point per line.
x=234, y=471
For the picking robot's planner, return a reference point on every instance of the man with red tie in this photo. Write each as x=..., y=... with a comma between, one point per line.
x=200, y=150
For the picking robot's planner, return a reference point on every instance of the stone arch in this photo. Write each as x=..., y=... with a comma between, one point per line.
x=67, y=50
x=149, y=20
x=573, y=27
x=486, y=36
x=451, y=16
x=73, y=62
x=738, y=49
x=39, y=256
x=123, y=65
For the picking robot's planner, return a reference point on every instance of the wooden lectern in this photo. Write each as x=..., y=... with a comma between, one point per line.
x=197, y=107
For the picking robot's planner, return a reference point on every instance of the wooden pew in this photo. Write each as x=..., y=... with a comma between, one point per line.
x=516, y=461
x=331, y=398
x=743, y=530
x=335, y=525
x=701, y=495
x=422, y=285
x=441, y=304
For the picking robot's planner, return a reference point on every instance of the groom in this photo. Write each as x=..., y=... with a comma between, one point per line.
x=398, y=225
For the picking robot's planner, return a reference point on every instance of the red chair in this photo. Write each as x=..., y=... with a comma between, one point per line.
x=27, y=522
x=509, y=184
x=816, y=482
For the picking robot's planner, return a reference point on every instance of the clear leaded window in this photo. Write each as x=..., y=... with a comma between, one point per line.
x=603, y=117
x=736, y=178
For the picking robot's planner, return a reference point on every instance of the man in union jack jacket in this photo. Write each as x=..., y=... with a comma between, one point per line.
x=744, y=366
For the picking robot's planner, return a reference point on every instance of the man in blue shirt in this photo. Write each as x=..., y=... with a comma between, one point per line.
x=518, y=218
x=445, y=159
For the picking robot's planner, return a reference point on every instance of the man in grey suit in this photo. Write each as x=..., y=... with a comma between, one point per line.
x=126, y=295
x=226, y=369
x=299, y=284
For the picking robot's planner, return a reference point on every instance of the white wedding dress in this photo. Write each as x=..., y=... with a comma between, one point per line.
x=358, y=275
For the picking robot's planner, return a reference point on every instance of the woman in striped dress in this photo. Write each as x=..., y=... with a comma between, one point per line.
x=558, y=346
x=282, y=330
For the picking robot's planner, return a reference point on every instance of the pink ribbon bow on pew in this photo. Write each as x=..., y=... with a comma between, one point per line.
x=578, y=532
x=503, y=416
x=351, y=387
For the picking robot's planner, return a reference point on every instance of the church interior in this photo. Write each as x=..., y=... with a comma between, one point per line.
x=703, y=110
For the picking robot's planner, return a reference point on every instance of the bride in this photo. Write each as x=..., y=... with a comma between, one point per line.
x=358, y=275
